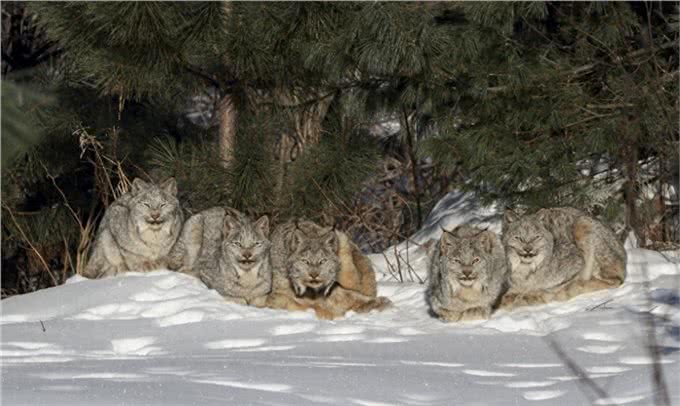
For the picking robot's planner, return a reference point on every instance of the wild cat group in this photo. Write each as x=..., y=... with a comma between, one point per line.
x=551, y=255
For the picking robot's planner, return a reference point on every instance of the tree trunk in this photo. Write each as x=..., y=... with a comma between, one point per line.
x=306, y=116
x=410, y=144
x=630, y=156
x=227, y=115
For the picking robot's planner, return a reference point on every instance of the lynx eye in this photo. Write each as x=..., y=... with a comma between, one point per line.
x=147, y=205
x=474, y=261
x=163, y=205
x=236, y=243
x=518, y=238
x=257, y=244
x=323, y=261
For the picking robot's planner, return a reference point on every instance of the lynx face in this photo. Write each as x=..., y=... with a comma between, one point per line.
x=314, y=262
x=464, y=261
x=528, y=244
x=154, y=206
x=246, y=243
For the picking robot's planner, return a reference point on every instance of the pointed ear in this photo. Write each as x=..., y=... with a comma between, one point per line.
x=429, y=246
x=294, y=239
x=138, y=186
x=330, y=240
x=447, y=241
x=230, y=223
x=169, y=186
x=510, y=217
x=262, y=224
x=486, y=241
x=448, y=238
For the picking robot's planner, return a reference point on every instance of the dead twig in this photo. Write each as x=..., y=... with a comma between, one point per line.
x=31, y=246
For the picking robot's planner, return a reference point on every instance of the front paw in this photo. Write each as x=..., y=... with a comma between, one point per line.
x=477, y=313
x=380, y=303
x=450, y=317
x=325, y=314
x=508, y=300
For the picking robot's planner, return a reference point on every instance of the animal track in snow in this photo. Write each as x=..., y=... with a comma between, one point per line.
x=235, y=343
x=543, y=394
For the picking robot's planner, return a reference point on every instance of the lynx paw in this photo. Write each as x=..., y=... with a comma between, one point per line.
x=477, y=313
x=325, y=314
x=380, y=303
x=450, y=317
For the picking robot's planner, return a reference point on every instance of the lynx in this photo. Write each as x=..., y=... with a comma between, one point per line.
x=319, y=268
x=558, y=253
x=228, y=252
x=137, y=230
x=467, y=275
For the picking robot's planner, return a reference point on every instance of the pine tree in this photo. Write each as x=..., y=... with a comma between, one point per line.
x=558, y=89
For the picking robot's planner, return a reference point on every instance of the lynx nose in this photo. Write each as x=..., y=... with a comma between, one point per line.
x=314, y=274
x=155, y=215
x=467, y=272
x=246, y=254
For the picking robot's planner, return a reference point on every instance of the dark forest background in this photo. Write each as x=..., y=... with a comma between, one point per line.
x=361, y=115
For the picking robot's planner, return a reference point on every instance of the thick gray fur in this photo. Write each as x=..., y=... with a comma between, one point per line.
x=304, y=258
x=137, y=230
x=557, y=253
x=468, y=274
x=228, y=252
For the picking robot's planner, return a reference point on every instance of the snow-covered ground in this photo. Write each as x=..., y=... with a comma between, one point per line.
x=162, y=338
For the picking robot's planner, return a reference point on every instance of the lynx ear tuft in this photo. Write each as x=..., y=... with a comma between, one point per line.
x=262, y=224
x=331, y=241
x=230, y=223
x=485, y=239
x=169, y=186
x=294, y=239
x=139, y=186
x=509, y=216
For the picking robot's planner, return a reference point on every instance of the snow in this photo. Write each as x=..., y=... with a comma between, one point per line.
x=162, y=338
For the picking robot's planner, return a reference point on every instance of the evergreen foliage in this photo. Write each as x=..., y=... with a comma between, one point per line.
x=562, y=85
x=527, y=103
